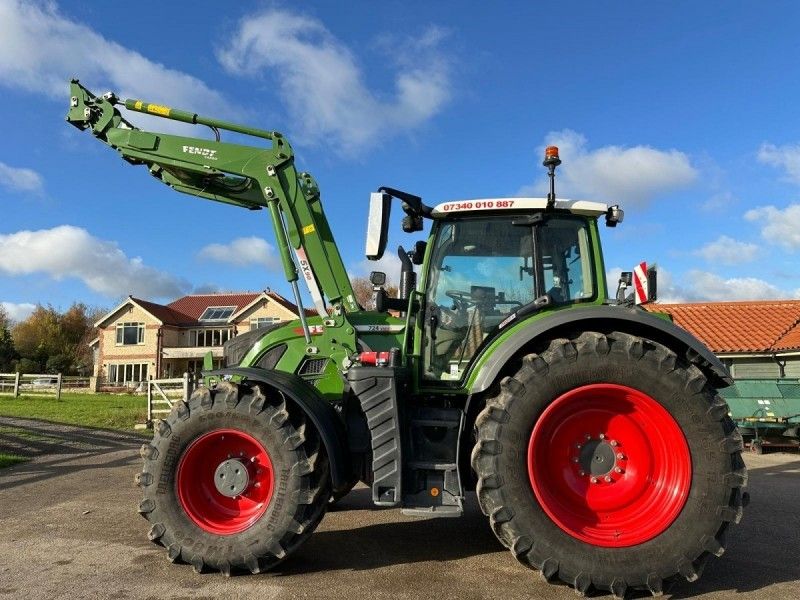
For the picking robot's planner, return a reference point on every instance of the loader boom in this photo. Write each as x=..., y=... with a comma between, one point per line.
x=245, y=176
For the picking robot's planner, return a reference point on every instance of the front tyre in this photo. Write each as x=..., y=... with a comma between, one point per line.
x=607, y=462
x=233, y=480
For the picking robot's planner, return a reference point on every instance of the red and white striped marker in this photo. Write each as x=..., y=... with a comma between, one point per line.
x=640, y=282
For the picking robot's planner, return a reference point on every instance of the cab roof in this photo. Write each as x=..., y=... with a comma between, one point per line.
x=578, y=207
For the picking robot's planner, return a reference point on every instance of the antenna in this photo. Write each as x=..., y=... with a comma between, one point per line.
x=551, y=161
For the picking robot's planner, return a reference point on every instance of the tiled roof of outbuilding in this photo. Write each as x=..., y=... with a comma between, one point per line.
x=731, y=327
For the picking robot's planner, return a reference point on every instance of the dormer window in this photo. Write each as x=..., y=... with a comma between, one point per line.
x=217, y=313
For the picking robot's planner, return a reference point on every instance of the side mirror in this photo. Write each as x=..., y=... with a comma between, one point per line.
x=614, y=215
x=380, y=205
x=625, y=281
x=418, y=254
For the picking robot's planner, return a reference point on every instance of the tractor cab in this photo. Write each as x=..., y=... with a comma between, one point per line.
x=490, y=262
x=495, y=260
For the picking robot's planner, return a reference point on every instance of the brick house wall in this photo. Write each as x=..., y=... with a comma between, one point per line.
x=168, y=340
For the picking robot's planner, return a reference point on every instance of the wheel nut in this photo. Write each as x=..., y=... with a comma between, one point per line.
x=587, y=436
x=593, y=480
x=618, y=470
x=252, y=460
x=582, y=473
x=578, y=446
x=602, y=436
x=257, y=484
x=608, y=479
x=614, y=442
x=620, y=456
x=575, y=459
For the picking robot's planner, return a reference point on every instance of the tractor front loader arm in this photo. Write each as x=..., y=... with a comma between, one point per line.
x=245, y=176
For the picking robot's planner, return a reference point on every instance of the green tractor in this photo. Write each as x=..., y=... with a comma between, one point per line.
x=591, y=431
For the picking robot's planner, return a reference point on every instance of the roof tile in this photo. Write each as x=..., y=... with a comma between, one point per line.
x=188, y=309
x=195, y=305
x=766, y=326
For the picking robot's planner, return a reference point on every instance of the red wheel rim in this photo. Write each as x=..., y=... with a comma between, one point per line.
x=609, y=465
x=216, y=455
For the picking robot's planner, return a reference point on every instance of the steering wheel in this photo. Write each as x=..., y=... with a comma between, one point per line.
x=463, y=300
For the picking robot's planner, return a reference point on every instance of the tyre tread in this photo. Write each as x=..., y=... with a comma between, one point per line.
x=488, y=450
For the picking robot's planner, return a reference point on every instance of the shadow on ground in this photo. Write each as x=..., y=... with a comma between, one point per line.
x=52, y=447
x=763, y=549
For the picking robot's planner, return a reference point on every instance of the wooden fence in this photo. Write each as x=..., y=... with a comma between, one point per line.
x=31, y=383
x=163, y=393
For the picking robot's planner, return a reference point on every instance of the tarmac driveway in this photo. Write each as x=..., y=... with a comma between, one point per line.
x=69, y=529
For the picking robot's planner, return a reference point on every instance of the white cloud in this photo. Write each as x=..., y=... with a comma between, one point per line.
x=786, y=157
x=19, y=179
x=727, y=251
x=68, y=251
x=704, y=286
x=710, y=286
x=778, y=226
x=40, y=49
x=629, y=175
x=18, y=311
x=323, y=85
x=719, y=202
x=242, y=252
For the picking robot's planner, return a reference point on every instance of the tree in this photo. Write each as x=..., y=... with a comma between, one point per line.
x=362, y=287
x=26, y=365
x=57, y=342
x=38, y=337
x=7, y=351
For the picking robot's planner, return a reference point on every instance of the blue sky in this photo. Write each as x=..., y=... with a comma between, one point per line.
x=684, y=112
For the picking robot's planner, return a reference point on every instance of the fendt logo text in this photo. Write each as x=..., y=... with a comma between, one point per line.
x=204, y=152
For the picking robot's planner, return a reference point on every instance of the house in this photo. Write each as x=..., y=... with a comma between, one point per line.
x=139, y=339
x=755, y=340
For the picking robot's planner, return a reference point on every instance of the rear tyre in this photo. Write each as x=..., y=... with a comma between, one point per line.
x=608, y=463
x=233, y=480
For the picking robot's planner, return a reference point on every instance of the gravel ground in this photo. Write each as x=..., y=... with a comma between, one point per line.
x=69, y=529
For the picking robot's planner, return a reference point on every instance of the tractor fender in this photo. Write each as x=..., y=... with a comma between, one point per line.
x=321, y=413
x=604, y=318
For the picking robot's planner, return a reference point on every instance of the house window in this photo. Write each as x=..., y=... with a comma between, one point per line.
x=127, y=373
x=209, y=337
x=196, y=366
x=217, y=313
x=130, y=334
x=262, y=322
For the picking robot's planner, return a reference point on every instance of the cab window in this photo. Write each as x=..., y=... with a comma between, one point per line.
x=484, y=269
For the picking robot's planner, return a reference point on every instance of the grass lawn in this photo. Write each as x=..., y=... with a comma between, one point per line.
x=6, y=460
x=109, y=411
